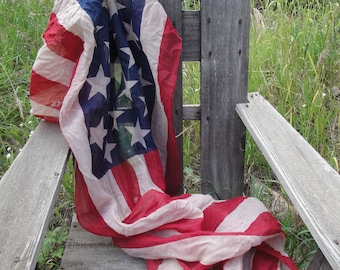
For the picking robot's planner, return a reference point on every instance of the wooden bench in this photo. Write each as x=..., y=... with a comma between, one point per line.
x=29, y=188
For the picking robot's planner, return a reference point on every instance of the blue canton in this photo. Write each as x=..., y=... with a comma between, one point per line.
x=118, y=96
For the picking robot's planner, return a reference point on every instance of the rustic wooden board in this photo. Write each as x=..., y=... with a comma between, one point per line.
x=319, y=262
x=310, y=182
x=191, y=35
x=192, y=112
x=85, y=250
x=28, y=191
x=224, y=73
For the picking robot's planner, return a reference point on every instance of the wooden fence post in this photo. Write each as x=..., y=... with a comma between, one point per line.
x=224, y=79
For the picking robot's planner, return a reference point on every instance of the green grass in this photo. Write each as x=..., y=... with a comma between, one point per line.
x=20, y=37
x=294, y=62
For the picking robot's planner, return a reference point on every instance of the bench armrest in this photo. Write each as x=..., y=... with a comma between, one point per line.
x=28, y=192
x=310, y=182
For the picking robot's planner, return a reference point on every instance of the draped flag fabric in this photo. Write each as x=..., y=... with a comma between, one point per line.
x=107, y=73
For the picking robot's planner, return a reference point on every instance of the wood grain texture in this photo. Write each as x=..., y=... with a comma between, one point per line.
x=319, y=262
x=28, y=191
x=191, y=35
x=86, y=251
x=224, y=73
x=310, y=182
x=191, y=112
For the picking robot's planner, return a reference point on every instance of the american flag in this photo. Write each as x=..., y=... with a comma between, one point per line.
x=107, y=73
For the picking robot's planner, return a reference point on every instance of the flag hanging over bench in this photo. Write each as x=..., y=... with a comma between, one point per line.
x=107, y=73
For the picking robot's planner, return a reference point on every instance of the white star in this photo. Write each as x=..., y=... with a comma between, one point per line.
x=138, y=134
x=127, y=51
x=142, y=80
x=98, y=83
x=109, y=147
x=104, y=4
x=107, y=45
x=113, y=7
x=99, y=27
x=146, y=108
x=120, y=6
x=131, y=35
x=115, y=114
x=127, y=90
x=97, y=134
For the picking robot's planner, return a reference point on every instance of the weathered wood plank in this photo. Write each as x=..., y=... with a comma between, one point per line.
x=28, y=191
x=191, y=112
x=191, y=36
x=310, y=182
x=224, y=73
x=319, y=262
x=85, y=250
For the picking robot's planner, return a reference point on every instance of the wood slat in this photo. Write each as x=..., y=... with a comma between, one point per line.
x=28, y=191
x=310, y=182
x=191, y=112
x=188, y=25
x=191, y=36
x=86, y=251
x=224, y=73
x=319, y=262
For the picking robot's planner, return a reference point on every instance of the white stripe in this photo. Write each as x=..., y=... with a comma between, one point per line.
x=53, y=67
x=76, y=20
x=278, y=245
x=201, y=201
x=172, y=264
x=109, y=200
x=204, y=249
x=145, y=182
x=73, y=18
x=235, y=263
x=151, y=34
x=238, y=221
x=39, y=109
x=171, y=212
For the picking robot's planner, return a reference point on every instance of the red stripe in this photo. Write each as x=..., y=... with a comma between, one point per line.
x=151, y=201
x=217, y=212
x=47, y=92
x=87, y=213
x=48, y=118
x=61, y=41
x=264, y=261
x=153, y=264
x=183, y=225
x=265, y=224
x=269, y=250
x=154, y=166
x=167, y=76
x=194, y=265
x=127, y=181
